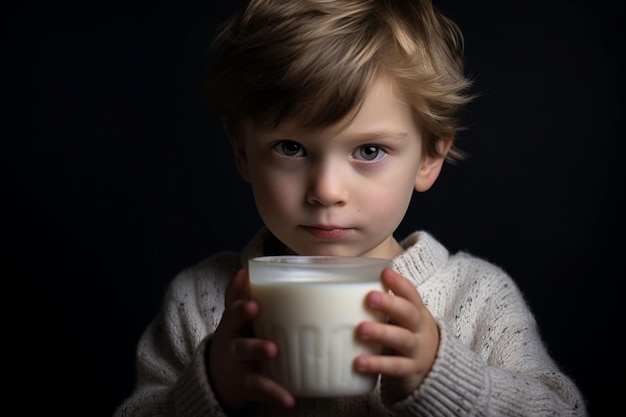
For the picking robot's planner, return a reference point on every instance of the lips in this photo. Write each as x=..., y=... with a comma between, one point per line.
x=327, y=232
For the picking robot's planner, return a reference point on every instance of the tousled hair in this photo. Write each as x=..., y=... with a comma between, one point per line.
x=315, y=59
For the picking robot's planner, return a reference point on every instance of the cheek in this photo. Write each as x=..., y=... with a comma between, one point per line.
x=390, y=201
x=273, y=196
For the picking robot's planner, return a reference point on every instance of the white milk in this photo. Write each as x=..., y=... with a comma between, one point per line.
x=313, y=324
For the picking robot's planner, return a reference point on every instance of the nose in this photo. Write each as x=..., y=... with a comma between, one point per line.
x=327, y=185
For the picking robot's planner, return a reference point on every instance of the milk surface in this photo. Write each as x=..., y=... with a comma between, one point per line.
x=313, y=322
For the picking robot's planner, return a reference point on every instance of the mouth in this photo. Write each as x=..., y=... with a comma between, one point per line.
x=327, y=232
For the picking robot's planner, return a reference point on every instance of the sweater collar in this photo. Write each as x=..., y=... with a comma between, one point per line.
x=423, y=255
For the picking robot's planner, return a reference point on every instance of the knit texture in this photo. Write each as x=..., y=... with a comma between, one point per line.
x=491, y=359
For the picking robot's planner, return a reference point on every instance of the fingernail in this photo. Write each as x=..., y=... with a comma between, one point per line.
x=365, y=331
x=374, y=299
x=360, y=364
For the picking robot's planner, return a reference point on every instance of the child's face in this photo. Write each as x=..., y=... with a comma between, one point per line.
x=342, y=190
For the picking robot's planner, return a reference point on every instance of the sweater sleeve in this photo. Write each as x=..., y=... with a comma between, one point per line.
x=491, y=359
x=171, y=370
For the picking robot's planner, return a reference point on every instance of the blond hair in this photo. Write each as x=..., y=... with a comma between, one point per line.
x=315, y=59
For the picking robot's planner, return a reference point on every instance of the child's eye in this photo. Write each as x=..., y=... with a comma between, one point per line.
x=369, y=153
x=289, y=148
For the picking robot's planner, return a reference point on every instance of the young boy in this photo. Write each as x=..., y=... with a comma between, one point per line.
x=337, y=111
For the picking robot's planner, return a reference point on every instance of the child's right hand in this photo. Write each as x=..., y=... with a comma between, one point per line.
x=235, y=354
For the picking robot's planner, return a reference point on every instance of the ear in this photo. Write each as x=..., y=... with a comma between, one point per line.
x=239, y=148
x=431, y=166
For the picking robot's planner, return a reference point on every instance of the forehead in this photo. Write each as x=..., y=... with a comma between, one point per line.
x=383, y=109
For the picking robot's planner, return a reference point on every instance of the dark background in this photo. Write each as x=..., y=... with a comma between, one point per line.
x=119, y=176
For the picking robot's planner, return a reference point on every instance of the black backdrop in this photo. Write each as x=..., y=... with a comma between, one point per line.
x=119, y=176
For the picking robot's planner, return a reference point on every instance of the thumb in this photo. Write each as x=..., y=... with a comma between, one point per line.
x=238, y=287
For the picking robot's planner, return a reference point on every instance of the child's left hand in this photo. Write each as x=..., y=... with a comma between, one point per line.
x=410, y=339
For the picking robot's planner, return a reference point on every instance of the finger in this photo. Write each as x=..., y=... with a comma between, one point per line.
x=253, y=350
x=239, y=310
x=399, y=310
x=237, y=319
x=394, y=338
x=401, y=286
x=266, y=391
x=394, y=366
x=238, y=288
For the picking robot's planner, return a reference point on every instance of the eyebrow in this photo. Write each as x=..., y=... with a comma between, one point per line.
x=376, y=135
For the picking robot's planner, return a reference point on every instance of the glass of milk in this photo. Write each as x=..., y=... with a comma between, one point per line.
x=310, y=307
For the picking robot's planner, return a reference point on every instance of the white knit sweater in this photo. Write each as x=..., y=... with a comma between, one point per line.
x=491, y=359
